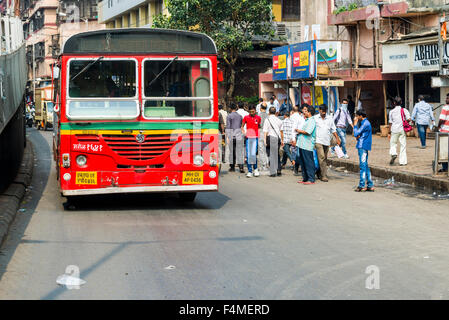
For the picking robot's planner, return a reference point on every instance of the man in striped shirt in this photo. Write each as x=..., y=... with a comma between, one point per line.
x=444, y=124
x=287, y=140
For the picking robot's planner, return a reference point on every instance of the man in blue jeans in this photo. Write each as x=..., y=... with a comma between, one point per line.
x=364, y=135
x=422, y=115
x=342, y=120
x=306, y=144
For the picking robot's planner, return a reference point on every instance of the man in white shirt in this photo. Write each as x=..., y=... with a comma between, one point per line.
x=259, y=105
x=325, y=128
x=272, y=134
x=263, y=114
x=274, y=103
x=241, y=111
x=298, y=122
x=397, y=132
x=224, y=118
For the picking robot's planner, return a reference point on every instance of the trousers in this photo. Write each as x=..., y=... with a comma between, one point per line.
x=400, y=137
x=322, y=152
x=273, y=144
x=307, y=165
x=252, y=145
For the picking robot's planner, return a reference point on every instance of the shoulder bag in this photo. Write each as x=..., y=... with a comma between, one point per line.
x=407, y=126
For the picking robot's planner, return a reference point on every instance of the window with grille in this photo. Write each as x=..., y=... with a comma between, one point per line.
x=291, y=9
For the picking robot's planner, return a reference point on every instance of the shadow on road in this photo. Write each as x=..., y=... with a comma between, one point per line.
x=148, y=202
x=41, y=173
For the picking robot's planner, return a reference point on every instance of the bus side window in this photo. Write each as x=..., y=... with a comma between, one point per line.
x=202, y=89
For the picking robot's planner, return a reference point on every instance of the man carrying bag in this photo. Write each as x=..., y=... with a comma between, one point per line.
x=272, y=133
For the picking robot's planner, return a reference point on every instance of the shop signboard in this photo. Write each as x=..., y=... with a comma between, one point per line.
x=329, y=83
x=280, y=55
x=304, y=60
x=413, y=57
x=427, y=56
x=396, y=58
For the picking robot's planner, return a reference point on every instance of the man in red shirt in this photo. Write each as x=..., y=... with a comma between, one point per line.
x=253, y=123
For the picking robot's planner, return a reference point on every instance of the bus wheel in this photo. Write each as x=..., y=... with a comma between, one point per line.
x=187, y=197
x=70, y=204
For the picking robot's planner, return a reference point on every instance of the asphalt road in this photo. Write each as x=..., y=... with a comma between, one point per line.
x=258, y=238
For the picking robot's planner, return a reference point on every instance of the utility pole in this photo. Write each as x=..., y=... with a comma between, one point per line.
x=34, y=76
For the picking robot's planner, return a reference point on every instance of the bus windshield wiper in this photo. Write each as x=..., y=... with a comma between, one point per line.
x=162, y=72
x=90, y=65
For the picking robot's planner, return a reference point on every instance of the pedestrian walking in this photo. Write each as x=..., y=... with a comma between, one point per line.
x=235, y=139
x=272, y=133
x=306, y=144
x=325, y=128
x=252, y=122
x=443, y=125
x=364, y=135
x=298, y=122
x=287, y=141
x=342, y=119
x=263, y=159
x=222, y=117
x=398, y=116
x=422, y=115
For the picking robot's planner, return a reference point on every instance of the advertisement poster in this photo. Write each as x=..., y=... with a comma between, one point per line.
x=329, y=52
x=321, y=97
x=280, y=55
x=304, y=62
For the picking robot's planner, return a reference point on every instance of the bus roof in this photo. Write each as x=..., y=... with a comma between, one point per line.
x=139, y=41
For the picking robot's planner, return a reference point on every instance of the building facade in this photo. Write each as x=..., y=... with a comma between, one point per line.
x=129, y=13
x=47, y=25
x=388, y=49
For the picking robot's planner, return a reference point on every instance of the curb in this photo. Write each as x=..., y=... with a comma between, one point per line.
x=10, y=200
x=418, y=181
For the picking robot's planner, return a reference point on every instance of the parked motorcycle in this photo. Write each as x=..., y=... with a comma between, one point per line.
x=29, y=117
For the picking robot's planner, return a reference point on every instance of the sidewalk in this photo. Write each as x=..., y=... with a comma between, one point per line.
x=418, y=172
x=10, y=200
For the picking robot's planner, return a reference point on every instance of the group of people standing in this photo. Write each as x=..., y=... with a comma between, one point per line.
x=305, y=138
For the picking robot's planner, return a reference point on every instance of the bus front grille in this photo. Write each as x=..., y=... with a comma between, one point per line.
x=128, y=147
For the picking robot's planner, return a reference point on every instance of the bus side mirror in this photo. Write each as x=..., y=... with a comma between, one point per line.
x=220, y=76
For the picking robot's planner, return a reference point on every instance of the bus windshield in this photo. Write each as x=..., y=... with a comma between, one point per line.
x=177, y=88
x=106, y=89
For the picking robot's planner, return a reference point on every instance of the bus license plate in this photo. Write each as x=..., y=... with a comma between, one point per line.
x=89, y=178
x=192, y=177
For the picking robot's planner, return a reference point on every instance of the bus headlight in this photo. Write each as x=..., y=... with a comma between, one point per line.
x=213, y=159
x=67, y=177
x=66, y=160
x=198, y=160
x=81, y=161
x=212, y=174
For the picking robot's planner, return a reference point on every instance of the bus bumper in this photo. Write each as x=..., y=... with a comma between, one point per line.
x=149, y=189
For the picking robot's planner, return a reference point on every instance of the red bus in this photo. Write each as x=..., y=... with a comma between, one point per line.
x=137, y=111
